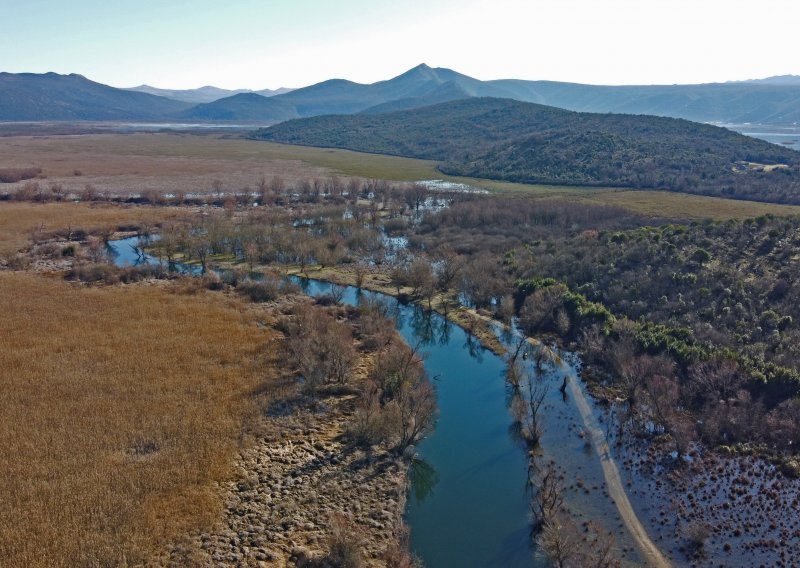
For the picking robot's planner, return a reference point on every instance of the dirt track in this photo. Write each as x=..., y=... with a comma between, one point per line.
x=650, y=552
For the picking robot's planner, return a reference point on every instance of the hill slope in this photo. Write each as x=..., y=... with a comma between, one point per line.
x=49, y=96
x=736, y=103
x=770, y=101
x=244, y=106
x=201, y=95
x=338, y=96
x=523, y=142
x=774, y=100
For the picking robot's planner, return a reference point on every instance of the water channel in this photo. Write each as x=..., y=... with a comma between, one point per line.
x=469, y=501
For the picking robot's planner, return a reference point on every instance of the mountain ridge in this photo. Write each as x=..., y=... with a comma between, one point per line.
x=204, y=94
x=32, y=97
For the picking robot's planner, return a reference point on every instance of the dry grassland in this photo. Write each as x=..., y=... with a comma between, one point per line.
x=682, y=205
x=645, y=202
x=124, y=164
x=18, y=220
x=120, y=408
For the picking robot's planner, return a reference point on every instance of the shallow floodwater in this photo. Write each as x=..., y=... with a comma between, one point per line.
x=786, y=135
x=469, y=502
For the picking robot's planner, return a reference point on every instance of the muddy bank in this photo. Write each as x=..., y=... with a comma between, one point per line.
x=293, y=485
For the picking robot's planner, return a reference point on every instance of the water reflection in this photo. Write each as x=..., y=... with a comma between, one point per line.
x=474, y=478
x=430, y=328
x=423, y=478
x=474, y=347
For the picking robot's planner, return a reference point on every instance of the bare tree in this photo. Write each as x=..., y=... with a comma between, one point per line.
x=539, y=310
x=416, y=402
x=532, y=426
x=717, y=379
x=448, y=267
x=251, y=254
x=360, y=269
x=559, y=544
x=548, y=498
x=320, y=347
x=337, y=293
x=406, y=392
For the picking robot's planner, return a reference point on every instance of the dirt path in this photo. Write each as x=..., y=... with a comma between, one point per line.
x=650, y=552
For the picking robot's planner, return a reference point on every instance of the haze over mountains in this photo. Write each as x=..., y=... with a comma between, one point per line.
x=207, y=94
x=52, y=97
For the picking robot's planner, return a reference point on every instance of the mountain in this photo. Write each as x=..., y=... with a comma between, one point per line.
x=413, y=87
x=450, y=91
x=243, y=106
x=523, y=142
x=50, y=96
x=778, y=80
x=771, y=101
x=207, y=94
x=732, y=103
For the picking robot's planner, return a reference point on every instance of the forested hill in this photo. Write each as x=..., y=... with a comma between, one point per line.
x=49, y=96
x=524, y=142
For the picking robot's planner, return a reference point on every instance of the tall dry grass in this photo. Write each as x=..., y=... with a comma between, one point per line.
x=18, y=221
x=119, y=408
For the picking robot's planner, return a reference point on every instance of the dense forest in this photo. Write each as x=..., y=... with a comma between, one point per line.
x=699, y=318
x=522, y=142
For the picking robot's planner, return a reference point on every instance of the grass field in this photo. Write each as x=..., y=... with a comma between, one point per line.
x=120, y=407
x=134, y=163
x=18, y=220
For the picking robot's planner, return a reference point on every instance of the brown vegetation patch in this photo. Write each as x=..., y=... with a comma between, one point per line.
x=19, y=222
x=125, y=164
x=120, y=406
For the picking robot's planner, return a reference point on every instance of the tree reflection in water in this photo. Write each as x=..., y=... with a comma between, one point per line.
x=423, y=478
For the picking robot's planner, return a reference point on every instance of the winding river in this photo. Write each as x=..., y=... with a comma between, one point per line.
x=468, y=504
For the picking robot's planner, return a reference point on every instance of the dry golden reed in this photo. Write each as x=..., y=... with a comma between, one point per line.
x=120, y=406
x=20, y=220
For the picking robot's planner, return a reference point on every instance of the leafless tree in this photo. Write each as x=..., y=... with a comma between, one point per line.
x=548, y=498
x=360, y=269
x=532, y=426
x=559, y=544
x=717, y=379
x=320, y=347
x=406, y=393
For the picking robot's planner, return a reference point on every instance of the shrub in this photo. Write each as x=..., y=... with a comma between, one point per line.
x=266, y=290
x=92, y=273
x=13, y=175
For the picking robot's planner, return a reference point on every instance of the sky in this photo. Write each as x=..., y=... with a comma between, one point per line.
x=260, y=44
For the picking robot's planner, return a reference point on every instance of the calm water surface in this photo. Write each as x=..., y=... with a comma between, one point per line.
x=468, y=505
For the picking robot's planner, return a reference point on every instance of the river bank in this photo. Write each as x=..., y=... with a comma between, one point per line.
x=487, y=335
x=295, y=487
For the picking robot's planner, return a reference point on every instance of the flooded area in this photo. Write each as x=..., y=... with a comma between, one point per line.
x=788, y=135
x=469, y=501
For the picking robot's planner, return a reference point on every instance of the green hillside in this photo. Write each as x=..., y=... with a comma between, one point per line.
x=523, y=142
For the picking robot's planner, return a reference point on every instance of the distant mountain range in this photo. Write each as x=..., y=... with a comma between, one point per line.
x=207, y=94
x=525, y=142
x=777, y=80
x=34, y=97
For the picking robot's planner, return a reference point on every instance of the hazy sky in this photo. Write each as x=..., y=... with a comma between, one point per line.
x=273, y=43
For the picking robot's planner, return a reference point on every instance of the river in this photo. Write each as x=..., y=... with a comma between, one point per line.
x=468, y=505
